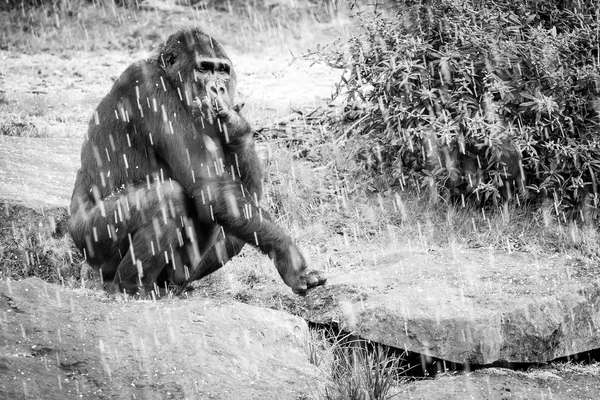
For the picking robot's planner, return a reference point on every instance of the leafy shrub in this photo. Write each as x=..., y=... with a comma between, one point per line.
x=479, y=99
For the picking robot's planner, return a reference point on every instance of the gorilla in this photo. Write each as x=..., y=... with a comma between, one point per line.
x=170, y=184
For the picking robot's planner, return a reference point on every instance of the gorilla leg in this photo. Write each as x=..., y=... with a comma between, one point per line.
x=136, y=235
x=155, y=250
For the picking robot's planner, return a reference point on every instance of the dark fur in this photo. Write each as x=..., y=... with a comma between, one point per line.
x=165, y=194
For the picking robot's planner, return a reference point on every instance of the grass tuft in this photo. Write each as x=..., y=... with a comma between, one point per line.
x=357, y=368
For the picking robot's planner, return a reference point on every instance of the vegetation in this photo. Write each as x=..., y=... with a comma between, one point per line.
x=479, y=100
x=34, y=243
x=358, y=369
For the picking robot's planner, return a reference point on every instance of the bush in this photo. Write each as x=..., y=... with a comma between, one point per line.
x=479, y=99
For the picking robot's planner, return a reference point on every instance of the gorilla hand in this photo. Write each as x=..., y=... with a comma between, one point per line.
x=292, y=268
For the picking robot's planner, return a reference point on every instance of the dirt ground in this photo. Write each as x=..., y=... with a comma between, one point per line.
x=85, y=345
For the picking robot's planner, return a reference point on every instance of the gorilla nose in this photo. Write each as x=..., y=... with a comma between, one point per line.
x=217, y=89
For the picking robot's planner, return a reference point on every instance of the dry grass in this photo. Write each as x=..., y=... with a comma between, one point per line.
x=250, y=26
x=315, y=187
x=34, y=243
x=357, y=369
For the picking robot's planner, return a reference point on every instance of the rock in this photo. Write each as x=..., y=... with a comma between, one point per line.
x=469, y=307
x=64, y=343
x=38, y=172
x=565, y=382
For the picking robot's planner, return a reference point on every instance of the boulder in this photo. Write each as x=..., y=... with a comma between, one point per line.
x=58, y=343
x=470, y=306
x=564, y=382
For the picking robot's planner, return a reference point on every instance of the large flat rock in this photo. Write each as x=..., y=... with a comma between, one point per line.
x=60, y=343
x=474, y=307
x=38, y=172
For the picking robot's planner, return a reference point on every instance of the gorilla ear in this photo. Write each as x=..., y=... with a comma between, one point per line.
x=168, y=59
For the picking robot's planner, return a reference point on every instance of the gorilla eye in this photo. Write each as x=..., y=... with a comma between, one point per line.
x=206, y=66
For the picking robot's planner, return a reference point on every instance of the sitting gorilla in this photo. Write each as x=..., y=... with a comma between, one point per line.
x=170, y=184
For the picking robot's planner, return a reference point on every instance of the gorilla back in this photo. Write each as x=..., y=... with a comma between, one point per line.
x=169, y=186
